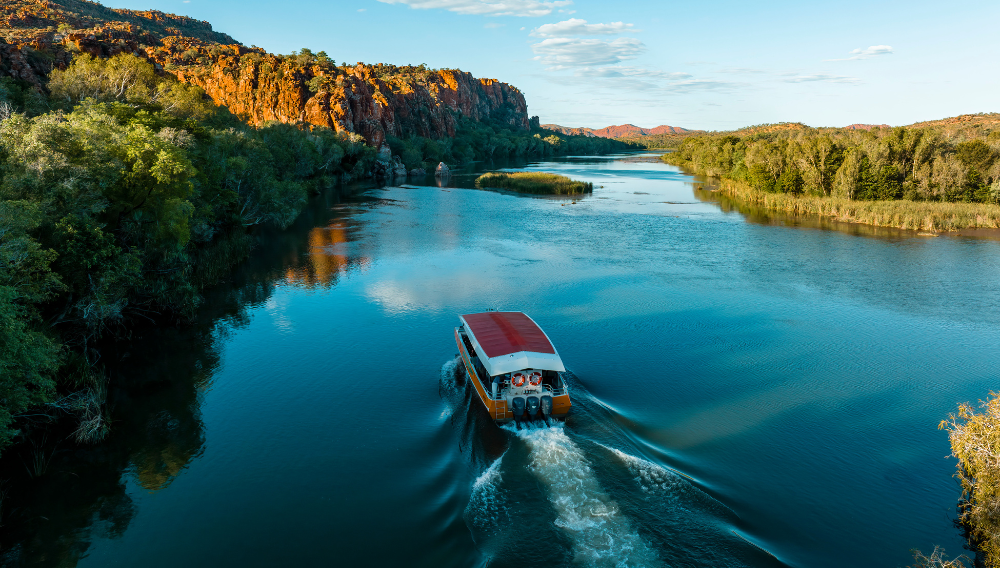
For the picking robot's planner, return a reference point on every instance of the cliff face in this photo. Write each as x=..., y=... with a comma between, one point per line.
x=374, y=101
x=24, y=19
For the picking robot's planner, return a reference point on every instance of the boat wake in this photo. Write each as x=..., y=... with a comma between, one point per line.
x=583, y=501
x=487, y=511
x=601, y=534
x=653, y=479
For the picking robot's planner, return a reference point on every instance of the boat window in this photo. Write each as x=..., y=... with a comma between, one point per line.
x=468, y=345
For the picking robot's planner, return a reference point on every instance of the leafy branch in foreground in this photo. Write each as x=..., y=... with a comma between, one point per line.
x=937, y=559
x=975, y=441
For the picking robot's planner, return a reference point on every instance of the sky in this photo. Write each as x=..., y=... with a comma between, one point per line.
x=710, y=64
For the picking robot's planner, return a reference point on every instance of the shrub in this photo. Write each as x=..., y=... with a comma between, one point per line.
x=975, y=441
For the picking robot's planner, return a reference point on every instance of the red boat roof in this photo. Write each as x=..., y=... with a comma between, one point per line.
x=503, y=333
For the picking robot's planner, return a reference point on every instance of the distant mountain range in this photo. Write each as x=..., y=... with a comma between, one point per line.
x=865, y=126
x=618, y=131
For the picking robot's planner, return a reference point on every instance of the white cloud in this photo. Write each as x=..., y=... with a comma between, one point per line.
x=692, y=85
x=821, y=77
x=872, y=51
x=562, y=53
x=576, y=26
x=488, y=7
x=741, y=71
x=615, y=72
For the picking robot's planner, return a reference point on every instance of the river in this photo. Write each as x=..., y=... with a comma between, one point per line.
x=748, y=391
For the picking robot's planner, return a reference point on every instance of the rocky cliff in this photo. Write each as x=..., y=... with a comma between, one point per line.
x=372, y=100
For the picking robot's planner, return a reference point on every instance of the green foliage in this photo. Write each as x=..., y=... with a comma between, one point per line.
x=28, y=358
x=126, y=78
x=305, y=57
x=18, y=96
x=482, y=141
x=975, y=441
x=655, y=141
x=534, y=182
x=118, y=206
x=881, y=164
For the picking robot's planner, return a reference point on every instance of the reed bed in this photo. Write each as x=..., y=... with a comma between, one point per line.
x=931, y=216
x=539, y=183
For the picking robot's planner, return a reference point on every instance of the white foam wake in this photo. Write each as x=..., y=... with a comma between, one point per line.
x=487, y=504
x=652, y=478
x=448, y=388
x=602, y=535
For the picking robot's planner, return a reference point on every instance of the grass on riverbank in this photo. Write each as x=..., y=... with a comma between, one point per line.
x=975, y=441
x=915, y=215
x=538, y=183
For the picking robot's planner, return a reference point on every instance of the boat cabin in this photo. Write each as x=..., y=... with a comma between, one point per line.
x=514, y=367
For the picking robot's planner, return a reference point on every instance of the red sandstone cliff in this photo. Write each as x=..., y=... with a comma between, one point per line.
x=372, y=100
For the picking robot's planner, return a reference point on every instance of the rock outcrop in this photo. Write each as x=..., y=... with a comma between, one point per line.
x=374, y=101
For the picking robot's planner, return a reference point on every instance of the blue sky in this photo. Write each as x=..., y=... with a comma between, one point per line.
x=715, y=64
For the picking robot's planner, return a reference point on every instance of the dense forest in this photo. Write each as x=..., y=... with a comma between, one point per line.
x=667, y=141
x=947, y=161
x=123, y=192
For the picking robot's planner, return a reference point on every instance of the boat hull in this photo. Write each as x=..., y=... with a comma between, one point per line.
x=497, y=409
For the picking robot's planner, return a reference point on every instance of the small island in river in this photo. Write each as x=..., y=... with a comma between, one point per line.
x=539, y=183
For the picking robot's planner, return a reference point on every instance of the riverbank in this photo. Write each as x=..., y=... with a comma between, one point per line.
x=928, y=216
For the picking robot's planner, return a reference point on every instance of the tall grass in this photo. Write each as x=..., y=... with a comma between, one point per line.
x=975, y=441
x=902, y=214
x=539, y=183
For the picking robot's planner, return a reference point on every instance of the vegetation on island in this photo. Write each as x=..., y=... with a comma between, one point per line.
x=932, y=176
x=539, y=183
x=975, y=441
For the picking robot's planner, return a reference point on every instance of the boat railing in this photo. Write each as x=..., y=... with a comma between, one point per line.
x=546, y=389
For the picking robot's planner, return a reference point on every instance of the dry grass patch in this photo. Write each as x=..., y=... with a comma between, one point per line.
x=903, y=214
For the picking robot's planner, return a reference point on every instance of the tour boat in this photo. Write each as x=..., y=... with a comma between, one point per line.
x=513, y=365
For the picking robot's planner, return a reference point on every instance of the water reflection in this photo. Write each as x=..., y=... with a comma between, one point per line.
x=57, y=497
x=328, y=258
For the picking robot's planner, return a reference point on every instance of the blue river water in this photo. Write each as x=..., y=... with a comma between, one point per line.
x=748, y=391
